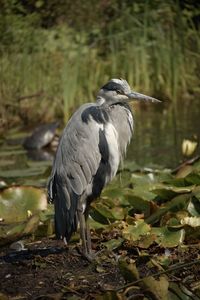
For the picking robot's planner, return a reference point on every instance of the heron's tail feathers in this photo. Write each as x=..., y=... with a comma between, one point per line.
x=65, y=204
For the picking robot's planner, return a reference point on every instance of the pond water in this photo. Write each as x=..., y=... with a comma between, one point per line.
x=160, y=130
x=159, y=133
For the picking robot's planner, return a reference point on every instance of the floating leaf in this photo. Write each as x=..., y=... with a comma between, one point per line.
x=194, y=206
x=32, y=224
x=142, y=185
x=102, y=213
x=131, y=166
x=179, y=291
x=169, y=191
x=137, y=203
x=113, y=243
x=146, y=241
x=115, y=193
x=134, y=232
x=128, y=269
x=96, y=225
x=166, y=237
x=15, y=202
x=193, y=178
x=196, y=192
x=178, y=203
x=159, y=287
x=191, y=221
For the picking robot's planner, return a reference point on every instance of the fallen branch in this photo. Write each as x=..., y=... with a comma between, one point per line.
x=186, y=163
x=171, y=269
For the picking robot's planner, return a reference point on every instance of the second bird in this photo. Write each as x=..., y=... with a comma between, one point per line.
x=88, y=156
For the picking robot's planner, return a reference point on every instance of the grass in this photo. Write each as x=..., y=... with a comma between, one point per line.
x=158, y=56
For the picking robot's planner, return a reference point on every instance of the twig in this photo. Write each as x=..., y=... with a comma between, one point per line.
x=40, y=93
x=186, y=163
x=171, y=269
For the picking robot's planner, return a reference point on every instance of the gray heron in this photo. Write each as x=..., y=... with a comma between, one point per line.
x=88, y=156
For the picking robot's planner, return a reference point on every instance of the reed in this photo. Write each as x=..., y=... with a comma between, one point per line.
x=156, y=55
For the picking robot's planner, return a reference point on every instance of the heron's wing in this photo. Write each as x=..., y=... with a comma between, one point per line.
x=79, y=153
x=81, y=156
x=80, y=167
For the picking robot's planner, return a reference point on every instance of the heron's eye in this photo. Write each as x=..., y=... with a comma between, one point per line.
x=119, y=92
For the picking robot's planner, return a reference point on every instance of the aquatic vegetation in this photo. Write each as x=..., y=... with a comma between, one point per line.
x=55, y=69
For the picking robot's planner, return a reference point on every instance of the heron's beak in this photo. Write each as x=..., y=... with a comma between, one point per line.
x=142, y=97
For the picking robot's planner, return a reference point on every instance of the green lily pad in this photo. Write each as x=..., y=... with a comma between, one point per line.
x=180, y=202
x=20, y=209
x=179, y=291
x=113, y=243
x=132, y=166
x=102, y=212
x=159, y=287
x=96, y=225
x=166, y=237
x=13, y=232
x=17, y=204
x=143, y=184
x=194, y=206
x=134, y=232
x=167, y=192
x=115, y=195
x=138, y=204
x=128, y=269
x=191, y=221
x=193, y=178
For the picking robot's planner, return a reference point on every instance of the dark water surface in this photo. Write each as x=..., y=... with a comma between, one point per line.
x=160, y=130
x=159, y=133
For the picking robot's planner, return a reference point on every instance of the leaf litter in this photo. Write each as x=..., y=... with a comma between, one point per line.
x=145, y=231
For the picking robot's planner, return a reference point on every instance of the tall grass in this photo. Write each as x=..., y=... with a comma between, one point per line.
x=156, y=56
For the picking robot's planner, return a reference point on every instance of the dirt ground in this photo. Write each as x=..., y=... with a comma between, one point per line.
x=57, y=275
x=46, y=271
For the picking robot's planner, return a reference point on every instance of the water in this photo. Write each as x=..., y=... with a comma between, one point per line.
x=159, y=133
x=160, y=130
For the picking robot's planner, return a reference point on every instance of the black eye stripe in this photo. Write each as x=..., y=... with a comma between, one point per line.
x=112, y=86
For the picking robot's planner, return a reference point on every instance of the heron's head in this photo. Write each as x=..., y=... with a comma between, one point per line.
x=118, y=90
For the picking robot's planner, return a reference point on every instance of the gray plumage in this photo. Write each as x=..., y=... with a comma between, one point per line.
x=89, y=152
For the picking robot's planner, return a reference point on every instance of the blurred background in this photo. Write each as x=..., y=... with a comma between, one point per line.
x=56, y=54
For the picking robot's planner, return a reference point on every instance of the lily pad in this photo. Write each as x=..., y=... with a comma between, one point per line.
x=20, y=209
x=103, y=213
x=17, y=203
x=167, y=192
x=138, y=204
x=135, y=232
x=177, y=203
x=166, y=237
x=191, y=221
x=159, y=287
x=113, y=243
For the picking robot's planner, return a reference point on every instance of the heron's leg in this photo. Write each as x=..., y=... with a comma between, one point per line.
x=88, y=237
x=83, y=231
x=87, y=230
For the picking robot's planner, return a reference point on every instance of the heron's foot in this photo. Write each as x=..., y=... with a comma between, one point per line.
x=89, y=255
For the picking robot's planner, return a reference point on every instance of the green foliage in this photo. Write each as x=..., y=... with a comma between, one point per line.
x=19, y=211
x=167, y=217
x=62, y=54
